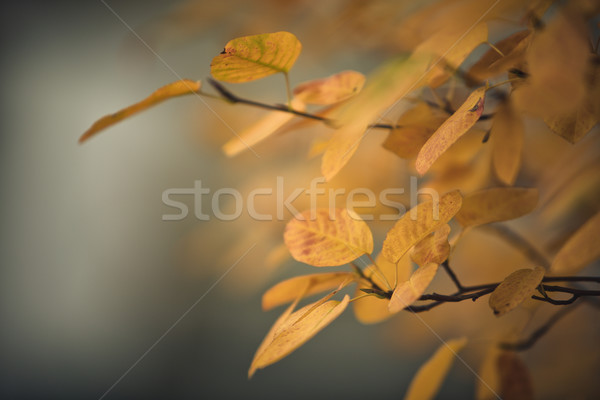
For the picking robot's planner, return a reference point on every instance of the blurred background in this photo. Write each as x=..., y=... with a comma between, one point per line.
x=92, y=277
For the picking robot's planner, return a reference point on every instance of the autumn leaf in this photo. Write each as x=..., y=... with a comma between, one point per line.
x=413, y=129
x=496, y=204
x=305, y=285
x=174, y=89
x=340, y=148
x=580, y=250
x=514, y=289
x=451, y=130
x=430, y=376
x=295, y=329
x=371, y=309
x=261, y=129
x=507, y=140
x=419, y=222
x=330, y=90
x=489, y=378
x=515, y=379
x=253, y=57
x=433, y=249
x=315, y=238
x=409, y=291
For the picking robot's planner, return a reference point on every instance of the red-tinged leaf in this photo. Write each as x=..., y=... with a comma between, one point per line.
x=433, y=249
x=330, y=90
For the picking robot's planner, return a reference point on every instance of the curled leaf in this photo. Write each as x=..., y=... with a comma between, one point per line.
x=580, y=250
x=419, y=222
x=409, y=291
x=174, y=89
x=451, y=130
x=325, y=237
x=253, y=57
x=293, y=330
x=330, y=90
x=433, y=249
x=514, y=289
x=304, y=286
x=430, y=376
x=496, y=204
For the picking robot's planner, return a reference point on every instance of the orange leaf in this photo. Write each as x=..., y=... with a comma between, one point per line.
x=330, y=90
x=496, y=204
x=451, y=130
x=419, y=222
x=580, y=250
x=290, y=289
x=433, y=249
x=507, y=140
x=314, y=238
x=409, y=291
x=178, y=88
x=515, y=289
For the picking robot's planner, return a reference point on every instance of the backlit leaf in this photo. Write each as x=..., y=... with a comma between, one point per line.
x=253, y=57
x=496, y=204
x=430, y=376
x=330, y=90
x=371, y=309
x=296, y=329
x=489, y=377
x=451, y=130
x=261, y=129
x=433, y=249
x=419, y=222
x=580, y=250
x=340, y=148
x=409, y=291
x=507, y=140
x=322, y=241
x=175, y=89
x=514, y=289
x=290, y=289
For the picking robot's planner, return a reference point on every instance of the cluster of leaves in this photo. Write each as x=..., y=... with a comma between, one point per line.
x=531, y=63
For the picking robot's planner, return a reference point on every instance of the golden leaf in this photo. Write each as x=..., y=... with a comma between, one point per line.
x=430, y=376
x=174, y=89
x=507, y=141
x=580, y=250
x=433, y=249
x=514, y=289
x=290, y=289
x=409, y=291
x=419, y=222
x=340, y=148
x=496, y=204
x=314, y=238
x=253, y=57
x=261, y=129
x=330, y=90
x=293, y=330
x=489, y=379
x=451, y=130
x=371, y=309
x=414, y=128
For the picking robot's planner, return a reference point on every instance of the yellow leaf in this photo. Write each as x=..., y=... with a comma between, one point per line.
x=514, y=289
x=433, y=249
x=419, y=222
x=409, y=291
x=317, y=147
x=450, y=50
x=489, y=379
x=496, y=204
x=430, y=376
x=320, y=240
x=415, y=127
x=330, y=90
x=371, y=309
x=290, y=289
x=451, y=130
x=492, y=63
x=515, y=379
x=340, y=148
x=253, y=57
x=580, y=250
x=296, y=329
x=178, y=88
x=507, y=141
x=260, y=130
